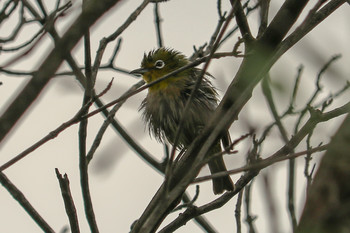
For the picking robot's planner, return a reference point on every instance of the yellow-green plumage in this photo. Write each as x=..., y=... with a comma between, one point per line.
x=163, y=107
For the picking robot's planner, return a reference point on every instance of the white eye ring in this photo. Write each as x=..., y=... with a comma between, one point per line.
x=159, y=64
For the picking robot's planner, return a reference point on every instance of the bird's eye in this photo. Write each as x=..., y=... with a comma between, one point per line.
x=159, y=64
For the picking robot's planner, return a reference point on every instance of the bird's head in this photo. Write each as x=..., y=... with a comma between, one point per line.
x=160, y=62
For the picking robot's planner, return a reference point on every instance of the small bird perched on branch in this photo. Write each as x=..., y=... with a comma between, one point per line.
x=165, y=102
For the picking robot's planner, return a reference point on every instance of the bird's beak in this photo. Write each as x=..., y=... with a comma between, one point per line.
x=139, y=71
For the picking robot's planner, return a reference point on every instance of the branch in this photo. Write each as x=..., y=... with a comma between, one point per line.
x=261, y=164
x=291, y=173
x=242, y=22
x=238, y=212
x=83, y=164
x=157, y=22
x=68, y=201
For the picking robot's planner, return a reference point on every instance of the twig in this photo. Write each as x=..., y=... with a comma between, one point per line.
x=190, y=203
x=68, y=201
x=242, y=22
x=235, y=28
x=115, y=52
x=291, y=172
x=316, y=92
x=291, y=192
x=271, y=205
x=42, y=8
x=5, y=12
x=83, y=164
x=259, y=165
x=49, y=22
x=22, y=200
x=249, y=218
x=238, y=212
x=295, y=88
x=228, y=149
x=157, y=22
x=19, y=26
x=264, y=13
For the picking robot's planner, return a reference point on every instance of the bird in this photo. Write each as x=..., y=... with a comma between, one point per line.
x=162, y=109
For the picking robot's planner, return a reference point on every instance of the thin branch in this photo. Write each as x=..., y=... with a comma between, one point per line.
x=316, y=92
x=261, y=164
x=264, y=13
x=18, y=27
x=5, y=11
x=42, y=8
x=22, y=200
x=39, y=35
x=308, y=158
x=238, y=212
x=49, y=22
x=291, y=172
x=83, y=163
x=242, y=22
x=115, y=52
x=270, y=203
x=83, y=168
x=68, y=201
x=249, y=10
x=249, y=218
x=157, y=21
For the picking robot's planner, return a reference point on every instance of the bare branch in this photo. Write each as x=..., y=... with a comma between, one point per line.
x=157, y=22
x=68, y=201
x=238, y=211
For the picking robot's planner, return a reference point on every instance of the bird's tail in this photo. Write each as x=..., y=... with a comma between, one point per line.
x=217, y=165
